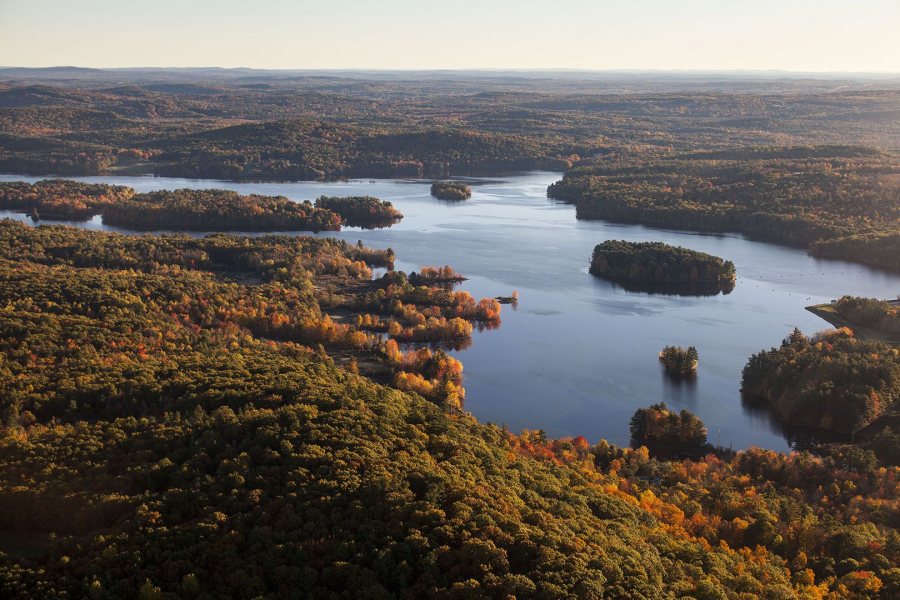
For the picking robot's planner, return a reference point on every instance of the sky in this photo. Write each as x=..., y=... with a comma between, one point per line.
x=792, y=35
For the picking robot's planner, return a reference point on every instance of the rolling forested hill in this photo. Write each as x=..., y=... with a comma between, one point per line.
x=189, y=418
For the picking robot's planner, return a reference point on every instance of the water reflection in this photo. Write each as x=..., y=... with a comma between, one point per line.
x=669, y=288
x=457, y=345
x=797, y=437
x=379, y=224
x=680, y=390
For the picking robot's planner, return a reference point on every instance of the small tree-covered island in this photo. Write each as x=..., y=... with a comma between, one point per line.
x=679, y=361
x=655, y=264
x=450, y=190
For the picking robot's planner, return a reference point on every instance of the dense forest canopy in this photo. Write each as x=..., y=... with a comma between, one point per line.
x=218, y=210
x=879, y=249
x=832, y=381
x=302, y=290
x=185, y=417
x=361, y=211
x=302, y=149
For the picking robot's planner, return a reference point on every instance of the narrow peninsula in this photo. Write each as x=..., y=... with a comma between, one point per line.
x=869, y=318
x=218, y=210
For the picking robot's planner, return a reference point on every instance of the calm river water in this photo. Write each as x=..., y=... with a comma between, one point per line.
x=579, y=354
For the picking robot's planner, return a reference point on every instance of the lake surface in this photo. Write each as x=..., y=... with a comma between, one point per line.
x=579, y=354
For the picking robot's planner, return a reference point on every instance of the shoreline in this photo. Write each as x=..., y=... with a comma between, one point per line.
x=827, y=314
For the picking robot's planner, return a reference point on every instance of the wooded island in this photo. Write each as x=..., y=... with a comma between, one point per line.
x=451, y=190
x=656, y=263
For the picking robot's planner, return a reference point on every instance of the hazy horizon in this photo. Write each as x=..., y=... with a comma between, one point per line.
x=794, y=36
x=200, y=67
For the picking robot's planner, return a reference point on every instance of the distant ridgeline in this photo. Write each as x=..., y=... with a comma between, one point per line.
x=451, y=190
x=306, y=149
x=837, y=201
x=191, y=210
x=40, y=135
x=655, y=266
x=275, y=127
